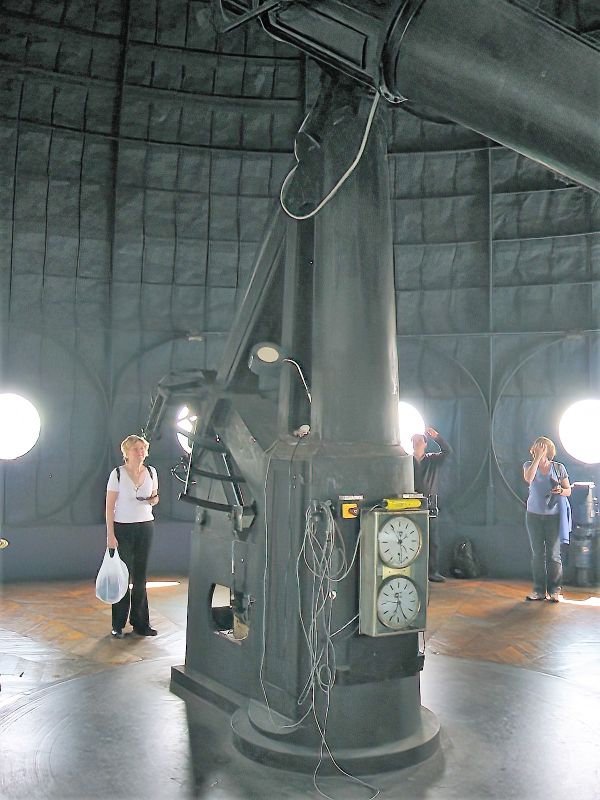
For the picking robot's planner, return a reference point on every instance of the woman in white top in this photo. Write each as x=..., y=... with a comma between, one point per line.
x=131, y=493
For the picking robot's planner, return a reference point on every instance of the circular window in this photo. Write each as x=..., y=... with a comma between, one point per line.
x=579, y=431
x=185, y=422
x=411, y=422
x=19, y=426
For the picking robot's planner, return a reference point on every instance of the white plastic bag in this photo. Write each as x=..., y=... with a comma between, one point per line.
x=113, y=578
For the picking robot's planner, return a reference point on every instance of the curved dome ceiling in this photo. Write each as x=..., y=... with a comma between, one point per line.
x=142, y=157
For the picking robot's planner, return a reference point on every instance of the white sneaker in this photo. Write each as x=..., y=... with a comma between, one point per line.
x=536, y=596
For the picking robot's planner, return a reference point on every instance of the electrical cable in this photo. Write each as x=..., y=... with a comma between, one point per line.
x=345, y=625
x=323, y=554
x=174, y=470
x=344, y=177
x=303, y=379
x=321, y=542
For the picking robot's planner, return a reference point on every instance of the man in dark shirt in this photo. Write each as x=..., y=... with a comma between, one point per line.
x=426, y=467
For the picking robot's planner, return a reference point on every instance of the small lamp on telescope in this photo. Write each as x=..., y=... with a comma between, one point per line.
x=266, y=355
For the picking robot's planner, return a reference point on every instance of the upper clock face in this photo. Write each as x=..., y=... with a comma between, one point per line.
x=398, y=602
x=399, y=541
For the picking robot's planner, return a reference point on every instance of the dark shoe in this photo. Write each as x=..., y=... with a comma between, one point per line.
x=437, y=578
x=117, y=633
x=145, y=631
x=556, y=597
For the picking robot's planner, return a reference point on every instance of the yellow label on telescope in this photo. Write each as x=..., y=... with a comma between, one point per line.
x=401, y=503
x=349, y=510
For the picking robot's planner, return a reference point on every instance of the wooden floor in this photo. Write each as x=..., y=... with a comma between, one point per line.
x=55, y=631
x=50, y=632
x=490, y=621
x=513, y=685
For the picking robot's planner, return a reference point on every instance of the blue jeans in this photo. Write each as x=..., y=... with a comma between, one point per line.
x=546, y=563
x=134, y=540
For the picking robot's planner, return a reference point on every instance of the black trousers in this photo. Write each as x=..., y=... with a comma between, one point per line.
x=134, y=540
x=434, y=546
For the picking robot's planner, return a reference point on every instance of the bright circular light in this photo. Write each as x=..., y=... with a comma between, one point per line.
x=411, y=422
x=185, y=422
x=267, y=354
x=579, y=431
x=19, y=426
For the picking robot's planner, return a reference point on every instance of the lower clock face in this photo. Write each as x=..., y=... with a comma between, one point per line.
x=398, y=602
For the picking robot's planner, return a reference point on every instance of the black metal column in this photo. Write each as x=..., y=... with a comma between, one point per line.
x=355, y=364
x=371, y=714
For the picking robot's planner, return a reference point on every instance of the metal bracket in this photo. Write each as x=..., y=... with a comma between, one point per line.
x=268, y=5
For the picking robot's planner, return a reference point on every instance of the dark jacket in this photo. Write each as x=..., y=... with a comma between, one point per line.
x=426, y=477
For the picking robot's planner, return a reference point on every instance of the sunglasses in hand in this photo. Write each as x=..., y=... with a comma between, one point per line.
x=145, y=499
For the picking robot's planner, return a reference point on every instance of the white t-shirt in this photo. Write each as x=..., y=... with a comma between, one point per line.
x=128, y=508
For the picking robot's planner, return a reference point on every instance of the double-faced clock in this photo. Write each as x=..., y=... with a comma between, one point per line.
x=393, y=571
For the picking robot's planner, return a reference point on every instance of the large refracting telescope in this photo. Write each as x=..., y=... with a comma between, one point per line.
x=499, y=67
x=311, y=651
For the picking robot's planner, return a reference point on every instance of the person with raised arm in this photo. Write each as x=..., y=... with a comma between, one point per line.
x=547, y=519
x=426, y=468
